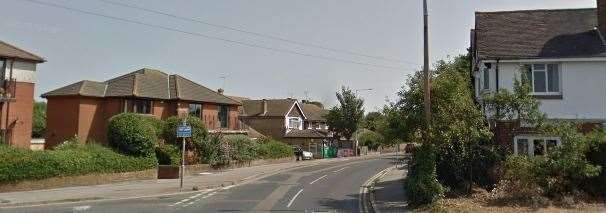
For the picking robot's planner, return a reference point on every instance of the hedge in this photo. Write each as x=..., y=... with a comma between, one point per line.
x=198, y=129
x=271, y=149
x=242, y=149
x=21, y=164
x=132, y=134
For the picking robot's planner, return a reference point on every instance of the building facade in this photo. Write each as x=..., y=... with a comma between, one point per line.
x=83, y=109
x=561, y=52
x=18, y=68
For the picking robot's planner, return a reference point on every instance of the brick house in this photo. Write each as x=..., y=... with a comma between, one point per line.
x=17, y=94
x=83, y=109
x=286, y=120
x=563, y=54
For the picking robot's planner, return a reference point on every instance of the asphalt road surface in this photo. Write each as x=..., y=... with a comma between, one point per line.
x=328, y=187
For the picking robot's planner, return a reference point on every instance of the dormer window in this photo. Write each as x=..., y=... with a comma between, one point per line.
x=294, y=123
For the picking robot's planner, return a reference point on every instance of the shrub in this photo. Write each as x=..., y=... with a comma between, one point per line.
x=168, y=154
x=422, y=186
x=371, y=139
x=487, y=161
x=169, y=133
x=39, y=120
x=158, y=124
x=242, y=149
x=131, y=134
x=213, y=151
x=20, y=164
x=271, y=149
x=597, y=156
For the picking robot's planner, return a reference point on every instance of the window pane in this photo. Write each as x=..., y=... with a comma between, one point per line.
x=294, y=123
x=486, y=78
x=554, y=78
x=539, y=147
x=522, y=146
x=539, y=67
x=223, y=116
x=539, y=81
x=551, y=145
x=195, y=110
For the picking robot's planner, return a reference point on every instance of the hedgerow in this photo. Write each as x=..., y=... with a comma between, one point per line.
x=21, y=164
x=132, y=134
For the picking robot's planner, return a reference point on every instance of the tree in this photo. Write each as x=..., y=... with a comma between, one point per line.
x=344, y=119
x=371, y=119
x=39, y=120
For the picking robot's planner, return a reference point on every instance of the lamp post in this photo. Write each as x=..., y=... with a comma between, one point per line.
x=358, y=131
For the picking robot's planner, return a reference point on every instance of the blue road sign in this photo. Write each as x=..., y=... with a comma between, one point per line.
x=183, y=131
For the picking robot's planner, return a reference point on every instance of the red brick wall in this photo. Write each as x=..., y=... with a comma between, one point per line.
x=20, y=115
x=210, y=115
x=61, y=120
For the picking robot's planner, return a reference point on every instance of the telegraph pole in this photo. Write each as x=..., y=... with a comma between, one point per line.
x=426, y=74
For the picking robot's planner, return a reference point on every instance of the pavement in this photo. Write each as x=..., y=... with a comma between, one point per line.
x=388, y=192
x=331, y=185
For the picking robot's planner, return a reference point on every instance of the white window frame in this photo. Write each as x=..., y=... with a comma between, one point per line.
x=530, y=139
x=299, y=120
x=547, y=92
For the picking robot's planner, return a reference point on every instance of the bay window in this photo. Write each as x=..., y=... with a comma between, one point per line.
x=544, y=79
x=535, y=145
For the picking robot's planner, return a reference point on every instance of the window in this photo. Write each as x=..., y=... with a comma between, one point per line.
x=223, y=115
x=138, y=106
x=195, y=110
x=486, y=77
x=544, y=78
x=294, y=123
x=535, y=145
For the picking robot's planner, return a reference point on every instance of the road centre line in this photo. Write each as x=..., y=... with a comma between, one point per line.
x=341, y=169
x=320, y=178
x=293, y=198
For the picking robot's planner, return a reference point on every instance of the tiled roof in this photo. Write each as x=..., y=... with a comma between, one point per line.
x=144, y=83
x=306, y=133
x=314, y=112
x=10, y=51
x=275, y=107
x=529, y=34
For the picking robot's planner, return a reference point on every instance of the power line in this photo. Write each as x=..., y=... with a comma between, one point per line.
x=254, y=33
x=212, y=37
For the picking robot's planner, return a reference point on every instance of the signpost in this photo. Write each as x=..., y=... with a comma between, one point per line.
x=183, y=131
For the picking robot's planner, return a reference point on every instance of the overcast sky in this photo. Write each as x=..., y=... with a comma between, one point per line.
x=80, y=46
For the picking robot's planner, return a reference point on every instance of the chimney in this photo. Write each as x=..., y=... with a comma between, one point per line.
x=602, y=16
x=264, y=106
x=220, y=91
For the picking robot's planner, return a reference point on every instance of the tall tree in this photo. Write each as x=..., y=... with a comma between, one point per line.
x=39, y=120
x=344, y=119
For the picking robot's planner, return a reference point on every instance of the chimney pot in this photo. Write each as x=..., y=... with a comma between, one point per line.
x=220, y=91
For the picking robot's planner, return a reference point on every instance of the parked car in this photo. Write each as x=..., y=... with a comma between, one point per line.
x=308, y=155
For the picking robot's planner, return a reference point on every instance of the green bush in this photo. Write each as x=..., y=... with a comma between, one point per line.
x=132, y=134
x=158, y=124
x=39, y=120
x=370, y=139
x=69, y=160
x=487, y=161
x=422, y=186
x=242, y=149
x=169, y=133
x=271, y=149
x=168, y=154
x=213, y=151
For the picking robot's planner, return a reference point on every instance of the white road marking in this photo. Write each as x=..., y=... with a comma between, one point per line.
x=229, y=187
x=195, y=196
x=180, y=202
x=205, y=173
x=320, y=178
x=293, y=198
x=80, y=208
x=341, y=169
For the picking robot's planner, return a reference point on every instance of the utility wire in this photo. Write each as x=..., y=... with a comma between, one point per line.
x=254, y=33
x=213, y=37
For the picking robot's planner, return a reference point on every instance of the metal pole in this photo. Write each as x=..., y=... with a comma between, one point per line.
x=426, y=74
x=182, y=165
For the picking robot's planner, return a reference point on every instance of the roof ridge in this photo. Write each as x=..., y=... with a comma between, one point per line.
x=201, y=86
x=533, y=10
x=25, y=51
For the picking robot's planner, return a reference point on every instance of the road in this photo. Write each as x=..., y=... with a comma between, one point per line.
x=327, y=187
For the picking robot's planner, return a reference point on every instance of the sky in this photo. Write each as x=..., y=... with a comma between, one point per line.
x=379, y=42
